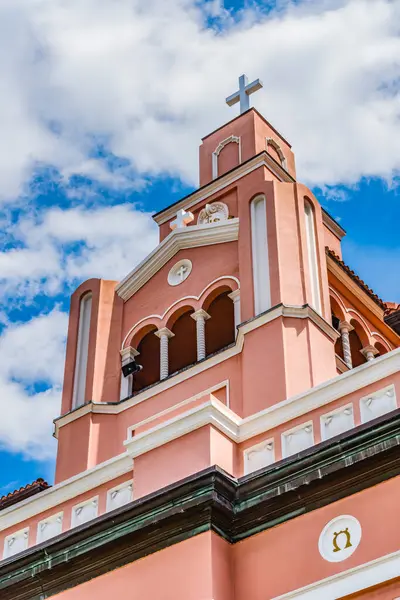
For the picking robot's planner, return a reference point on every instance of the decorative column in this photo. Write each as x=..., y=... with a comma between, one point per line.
x=235, y=297
x=201, y=316
x=164, y=334
x=345, y=329
x=369, y=352
x=127, y=355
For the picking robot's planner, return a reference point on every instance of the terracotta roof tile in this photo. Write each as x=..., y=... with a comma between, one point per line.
x=23, y=492
x=356, y=278
x=392, y=307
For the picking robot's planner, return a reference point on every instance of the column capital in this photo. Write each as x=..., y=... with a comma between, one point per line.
x=369, y=352
x=128, y=354
x=345, y=326
x=235, y=295
x=200, y=314
x=164, y=331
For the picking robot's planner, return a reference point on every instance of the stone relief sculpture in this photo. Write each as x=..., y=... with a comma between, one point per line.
x=213, y=213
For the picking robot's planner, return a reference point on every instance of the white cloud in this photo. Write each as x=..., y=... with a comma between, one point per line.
x=64, y=247
x=34, y=350
x=31, y=352
x=150, y=79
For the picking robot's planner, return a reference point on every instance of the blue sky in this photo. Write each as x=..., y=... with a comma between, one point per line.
x=102, y=109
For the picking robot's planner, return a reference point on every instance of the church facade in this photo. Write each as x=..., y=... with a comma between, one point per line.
x=229, y=427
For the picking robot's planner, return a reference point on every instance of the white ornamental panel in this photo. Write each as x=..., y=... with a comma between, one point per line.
x=16, y=543
x=377, y=404
x=213, y=213
x=180, y=272
x=119, y=496
x=337, y=422
x=297, y=439
x=259, y=456
x=49, y=528
x=82, y=513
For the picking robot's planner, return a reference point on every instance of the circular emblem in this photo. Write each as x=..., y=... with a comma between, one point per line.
x=179, y=272
x=339, y=538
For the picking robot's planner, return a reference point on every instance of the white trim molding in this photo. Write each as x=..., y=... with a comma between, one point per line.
x=212, y=412
x=269, y=141
x=341, y=585
x=66, y=490
x=219, y=148
x=179, y=239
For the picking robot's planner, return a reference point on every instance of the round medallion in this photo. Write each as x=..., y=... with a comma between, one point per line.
x=179, y=272
x=339, y=538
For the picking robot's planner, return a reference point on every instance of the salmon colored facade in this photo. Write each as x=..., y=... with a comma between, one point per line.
x=229, y=427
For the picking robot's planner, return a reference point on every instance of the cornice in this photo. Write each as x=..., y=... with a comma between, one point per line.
x=208, y=501
x=186, y=237
x=263, y=159
x=332, y=225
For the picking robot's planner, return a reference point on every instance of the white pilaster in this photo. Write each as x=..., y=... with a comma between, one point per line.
x=235, y=297
x=201, y=316
x=164, y=334
x=369, y=352
x=127, y=355
x=345, y=329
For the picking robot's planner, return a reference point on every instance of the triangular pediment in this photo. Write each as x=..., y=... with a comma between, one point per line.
x=186, y=237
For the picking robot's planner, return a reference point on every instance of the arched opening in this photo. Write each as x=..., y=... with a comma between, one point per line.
x=381, y=349
x=149, y=358
x=220, y=328
x=337, y=318
x=182, y=348
x=358, y=340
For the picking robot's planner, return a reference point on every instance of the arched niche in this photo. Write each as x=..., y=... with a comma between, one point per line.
x=82, y=350
x=312, y=255
x=220, y=328
x=148, y=346
x=275, y=150
x=358, y=339
x=226, y=156
x=338, y=317
x=381, y=349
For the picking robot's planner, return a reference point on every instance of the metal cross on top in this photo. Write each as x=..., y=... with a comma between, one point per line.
x=243, y=93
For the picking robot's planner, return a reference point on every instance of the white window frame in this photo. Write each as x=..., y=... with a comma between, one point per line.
x=260, y=255
x=82, y=350
x=312, y=254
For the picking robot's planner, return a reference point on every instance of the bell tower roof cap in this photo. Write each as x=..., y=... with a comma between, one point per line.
x=254, y=110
